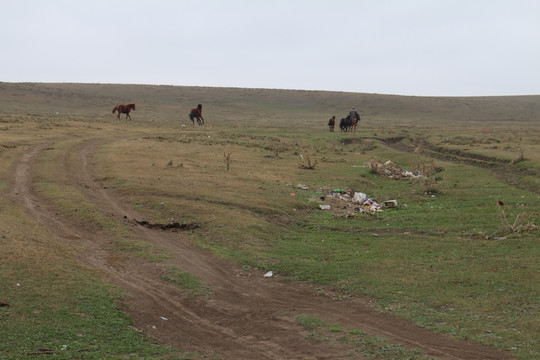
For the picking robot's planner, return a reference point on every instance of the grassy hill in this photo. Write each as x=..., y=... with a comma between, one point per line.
x=290, y=107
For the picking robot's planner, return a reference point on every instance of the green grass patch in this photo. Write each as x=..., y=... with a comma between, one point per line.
x=186, y=281
x=309, y=322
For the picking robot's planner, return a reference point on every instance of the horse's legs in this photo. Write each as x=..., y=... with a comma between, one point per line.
x=127, y=116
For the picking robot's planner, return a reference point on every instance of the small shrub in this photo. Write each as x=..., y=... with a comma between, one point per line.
x=524, y=222
x=306, y=163
x=227, y=159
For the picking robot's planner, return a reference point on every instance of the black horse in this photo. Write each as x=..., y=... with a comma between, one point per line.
x=348, y=124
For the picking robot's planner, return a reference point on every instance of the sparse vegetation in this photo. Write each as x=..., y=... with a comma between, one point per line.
x=444, y=258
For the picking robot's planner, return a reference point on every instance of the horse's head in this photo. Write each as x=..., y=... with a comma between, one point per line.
x=132, y=105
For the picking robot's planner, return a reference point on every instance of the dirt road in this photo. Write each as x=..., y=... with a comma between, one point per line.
x=246, y=315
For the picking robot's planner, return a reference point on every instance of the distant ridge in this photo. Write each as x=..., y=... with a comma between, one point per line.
x=81, y=98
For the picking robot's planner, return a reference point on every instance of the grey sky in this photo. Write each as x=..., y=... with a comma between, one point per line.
x=406, y=47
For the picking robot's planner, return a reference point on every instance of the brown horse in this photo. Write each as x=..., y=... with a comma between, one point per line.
x=196, y=114
x=123, y=109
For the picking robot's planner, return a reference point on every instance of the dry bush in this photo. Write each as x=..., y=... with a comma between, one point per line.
x=524, y=222
x=306, y=163
x=388, y=169
x=227, y=159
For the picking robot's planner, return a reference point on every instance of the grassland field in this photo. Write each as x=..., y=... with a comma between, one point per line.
x=459, y=255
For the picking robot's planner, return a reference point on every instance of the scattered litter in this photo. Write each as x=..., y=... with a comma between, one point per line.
x=18, y=284
x=269, y=274
x=392, y=170
x=371, y=205
x=164, y=318
x=302, y=186
x=292, y=194
x=64, y=348
x=348, y=202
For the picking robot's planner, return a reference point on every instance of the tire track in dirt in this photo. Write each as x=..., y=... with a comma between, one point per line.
x=246, y=315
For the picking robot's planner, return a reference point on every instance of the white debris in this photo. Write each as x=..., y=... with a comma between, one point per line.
x=359, y=198
x=269, y=274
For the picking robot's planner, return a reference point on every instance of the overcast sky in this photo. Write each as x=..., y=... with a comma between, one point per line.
x=405, y=47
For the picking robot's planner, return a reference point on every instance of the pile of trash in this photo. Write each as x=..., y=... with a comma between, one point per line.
x=349, y=202
x=392, y=170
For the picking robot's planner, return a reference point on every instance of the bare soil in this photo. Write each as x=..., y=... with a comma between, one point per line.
x=246, y=315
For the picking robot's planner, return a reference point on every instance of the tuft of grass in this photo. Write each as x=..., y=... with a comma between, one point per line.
x=309, y=322
x=186, y=281
x=523, y=222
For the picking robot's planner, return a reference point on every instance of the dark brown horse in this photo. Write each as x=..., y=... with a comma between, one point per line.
x=123, y=109
x=196, y=114
x=348, y=124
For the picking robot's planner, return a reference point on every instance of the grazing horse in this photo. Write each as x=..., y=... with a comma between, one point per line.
x=196, y=114
x=123, y=109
